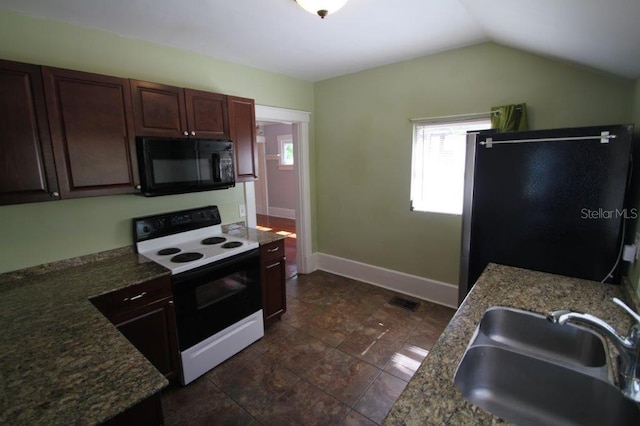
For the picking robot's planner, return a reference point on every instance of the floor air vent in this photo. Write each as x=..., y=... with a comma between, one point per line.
x=404, y=303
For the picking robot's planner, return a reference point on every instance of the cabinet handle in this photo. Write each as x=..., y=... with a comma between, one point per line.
x=185, y=133
x=171, y=302
x=193, y=133
x=273, y=250
x=271, y=266
x=131, y=299
x=55, y=194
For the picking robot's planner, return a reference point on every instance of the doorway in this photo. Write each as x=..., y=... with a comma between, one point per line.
x=275, y=186
x=299, y=121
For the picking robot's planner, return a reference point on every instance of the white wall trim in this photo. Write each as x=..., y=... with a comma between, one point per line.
x=300, y=121
x=280, y=212
x=283, y=115
x=412, y=285
x=250, y=204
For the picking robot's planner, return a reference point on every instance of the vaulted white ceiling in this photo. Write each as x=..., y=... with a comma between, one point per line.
x=279, y=36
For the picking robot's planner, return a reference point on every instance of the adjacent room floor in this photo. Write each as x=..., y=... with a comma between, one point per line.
x=342, y=354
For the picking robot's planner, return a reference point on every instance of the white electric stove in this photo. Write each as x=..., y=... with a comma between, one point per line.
x=215, y=281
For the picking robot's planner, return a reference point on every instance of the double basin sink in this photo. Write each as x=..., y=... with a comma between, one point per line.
x=530, y=371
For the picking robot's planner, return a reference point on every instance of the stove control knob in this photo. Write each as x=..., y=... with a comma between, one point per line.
x=55, y=194
x=146, y=229
x=138, y=187
x=185, y=133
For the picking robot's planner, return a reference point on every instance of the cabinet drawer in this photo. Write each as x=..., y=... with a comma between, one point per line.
x=133, y=297
x=271, y=251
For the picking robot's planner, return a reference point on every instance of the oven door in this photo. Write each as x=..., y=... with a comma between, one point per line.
x=213, y=297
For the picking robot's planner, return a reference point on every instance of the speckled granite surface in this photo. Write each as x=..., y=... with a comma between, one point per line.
x=262, y=237
x=61, y=361
x=430, y=398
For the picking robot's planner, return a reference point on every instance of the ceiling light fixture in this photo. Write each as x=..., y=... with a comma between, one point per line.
x=321, y=8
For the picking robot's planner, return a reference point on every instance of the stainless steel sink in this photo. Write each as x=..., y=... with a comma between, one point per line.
x=529, y=371
x=532, y=333
x=529, y=391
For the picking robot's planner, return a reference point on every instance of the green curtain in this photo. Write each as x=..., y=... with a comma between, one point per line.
x=509, y=118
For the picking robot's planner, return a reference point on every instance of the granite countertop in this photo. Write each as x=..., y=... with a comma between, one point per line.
x=262, y=237
x=61, y=360
x=431, y=398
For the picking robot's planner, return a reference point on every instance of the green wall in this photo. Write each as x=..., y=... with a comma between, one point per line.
x=363, y=143
x=38, y=233
x=360, y=140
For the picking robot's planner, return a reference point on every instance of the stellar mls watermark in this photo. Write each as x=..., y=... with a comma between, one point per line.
x=601, y=213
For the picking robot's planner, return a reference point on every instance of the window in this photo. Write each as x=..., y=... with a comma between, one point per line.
x=438, y=160
x=285, y=143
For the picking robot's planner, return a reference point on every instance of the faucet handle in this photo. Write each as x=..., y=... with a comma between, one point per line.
x=627, y=308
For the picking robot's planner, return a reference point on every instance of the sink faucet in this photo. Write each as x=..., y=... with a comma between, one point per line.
x=628, y=347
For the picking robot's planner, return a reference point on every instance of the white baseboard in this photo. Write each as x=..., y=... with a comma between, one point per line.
x=280, y=212
x=411, y=285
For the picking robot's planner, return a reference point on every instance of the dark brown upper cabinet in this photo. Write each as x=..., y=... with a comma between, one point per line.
x=242, y=127
x=169, y=111
x=207, y=114
x=27, y=173
x=91, y=124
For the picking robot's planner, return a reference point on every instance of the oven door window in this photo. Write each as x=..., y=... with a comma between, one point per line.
x=219, y=290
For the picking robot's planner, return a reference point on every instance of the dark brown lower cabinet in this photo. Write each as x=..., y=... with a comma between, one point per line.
x=274, y=296
x=150, y=330
x=145, y=315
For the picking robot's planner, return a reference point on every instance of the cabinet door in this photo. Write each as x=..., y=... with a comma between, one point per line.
x=242, y=128
x=207, y=115
x=152, y=331
x=27, y=173
x=92, y=133
x=159, y=110
x=274, y=298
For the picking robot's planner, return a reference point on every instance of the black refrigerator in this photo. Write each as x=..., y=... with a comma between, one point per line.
x=547, y=200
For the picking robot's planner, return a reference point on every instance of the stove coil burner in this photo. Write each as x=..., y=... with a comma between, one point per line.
x=213, y=240
x=186, y=257
x=168, y=251
x=231, y=244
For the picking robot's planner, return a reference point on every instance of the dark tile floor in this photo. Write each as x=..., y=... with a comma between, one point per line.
x=341, y=355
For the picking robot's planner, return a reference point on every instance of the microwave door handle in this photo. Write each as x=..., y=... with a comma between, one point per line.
x=215, y=163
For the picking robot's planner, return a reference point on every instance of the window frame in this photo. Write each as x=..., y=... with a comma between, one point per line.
x=284, y=140
x=418, y=193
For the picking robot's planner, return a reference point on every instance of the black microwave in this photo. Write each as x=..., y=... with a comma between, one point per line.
x=176, y=166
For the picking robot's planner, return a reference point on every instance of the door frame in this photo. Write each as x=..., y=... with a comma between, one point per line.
x=300, y=131
x=263, y=181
